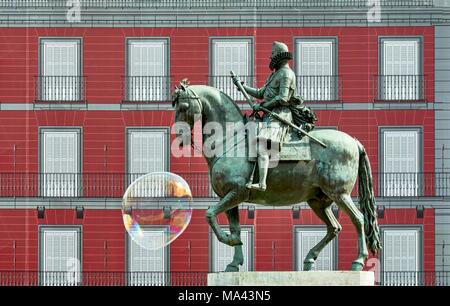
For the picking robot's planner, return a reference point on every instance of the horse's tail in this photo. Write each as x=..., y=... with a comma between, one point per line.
x=367, y=202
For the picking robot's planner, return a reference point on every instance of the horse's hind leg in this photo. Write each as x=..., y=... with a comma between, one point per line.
x=323, y=211
x=235, y=229
x=345, y=202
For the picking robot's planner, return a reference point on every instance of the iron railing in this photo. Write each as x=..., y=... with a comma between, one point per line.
x=400, y=87
x=114, y=185
x=225, y=84
x=147, y=88
x=319, y=88
x=71, y=278
x=140, y=4
x=409, y=184
x=413, y=278
x=60, y=88
x=90, y=185
x=34, y=278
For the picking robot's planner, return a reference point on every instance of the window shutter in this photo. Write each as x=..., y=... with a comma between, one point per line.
x=148, y=58
x=148, y=266
x=61, y=163
x=231, y=56
x=401, y=163
x=222, y=254
x=306, y=240
x=59, y=246
x=60, y=71
x=315, y=70
x=147, y=151
x=147, y=155
x=315, y=58
x=401, y=254
x=401, y=68
x=60, y=58
x=148, y=70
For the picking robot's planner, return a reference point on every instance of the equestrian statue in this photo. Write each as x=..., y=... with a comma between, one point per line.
x=326, y=174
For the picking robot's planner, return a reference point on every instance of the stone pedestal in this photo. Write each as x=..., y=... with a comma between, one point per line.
x=294, y=278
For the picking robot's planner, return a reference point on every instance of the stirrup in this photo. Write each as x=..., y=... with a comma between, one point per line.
x=256, y=186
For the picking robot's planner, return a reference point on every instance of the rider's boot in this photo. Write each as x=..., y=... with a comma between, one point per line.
x=263, y=166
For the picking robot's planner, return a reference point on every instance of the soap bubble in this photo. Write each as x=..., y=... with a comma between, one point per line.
x=156, y=209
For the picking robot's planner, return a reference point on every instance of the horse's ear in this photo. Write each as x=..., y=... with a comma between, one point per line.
x=184, y=83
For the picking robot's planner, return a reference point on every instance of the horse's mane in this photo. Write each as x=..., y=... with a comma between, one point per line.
x=222, y=95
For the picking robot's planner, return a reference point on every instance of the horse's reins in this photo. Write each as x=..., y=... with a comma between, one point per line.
x=197, y=98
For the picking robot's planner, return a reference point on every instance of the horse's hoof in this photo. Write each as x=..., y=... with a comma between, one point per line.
x=231, y=268
x=308, y=266
x=357, y=266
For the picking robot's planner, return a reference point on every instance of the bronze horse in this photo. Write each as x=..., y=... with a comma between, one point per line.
x=329, y=177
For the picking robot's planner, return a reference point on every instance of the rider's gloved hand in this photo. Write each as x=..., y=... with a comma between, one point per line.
x=236, y=82
x=256, y=107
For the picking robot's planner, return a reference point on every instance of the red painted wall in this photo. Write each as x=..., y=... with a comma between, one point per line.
x=104, y=56
x=102, y=128
x=269, y=226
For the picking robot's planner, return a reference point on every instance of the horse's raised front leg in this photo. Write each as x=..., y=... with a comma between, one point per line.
x=235, y=228
x=230, y=200
x=323, y=211
x=345, y=202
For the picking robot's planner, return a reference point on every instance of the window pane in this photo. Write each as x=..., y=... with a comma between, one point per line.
x=400, y=79
x=231, y=56
x=60, y=72
x=222, y=254
x=60, y=257
x=401, y=163
x=306, y=240
x=315, y=70
x=147, y=78
x=60, y=164
x=400, y=256
x=147, y=266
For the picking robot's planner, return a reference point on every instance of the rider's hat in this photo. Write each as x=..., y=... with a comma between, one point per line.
x=280, y=52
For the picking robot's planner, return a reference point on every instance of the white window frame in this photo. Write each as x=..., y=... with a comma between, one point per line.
x=405, y=184
x=149, y=278
x=53, y=87
x=247, y=250
x=410, y=279
x=223, y=80
x=132, y=175
x=59, y=184
x=72, y=275
x=314, y=86
x=400, y=86
x=299, y=258
x=145, y=87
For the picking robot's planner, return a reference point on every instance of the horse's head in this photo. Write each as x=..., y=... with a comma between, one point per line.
x=188, y=108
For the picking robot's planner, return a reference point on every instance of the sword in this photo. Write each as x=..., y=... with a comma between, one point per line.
x=237, y=82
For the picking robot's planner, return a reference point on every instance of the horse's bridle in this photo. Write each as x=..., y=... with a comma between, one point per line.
x=197, y=98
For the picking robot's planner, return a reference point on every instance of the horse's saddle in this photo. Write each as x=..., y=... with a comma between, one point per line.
x=293, y=148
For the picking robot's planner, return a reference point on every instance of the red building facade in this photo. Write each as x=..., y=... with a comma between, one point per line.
x=73, y=96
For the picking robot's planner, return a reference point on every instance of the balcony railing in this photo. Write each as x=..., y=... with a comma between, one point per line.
x=60, y=88
x=320, y=88
x=138, y=4
x=146, y=88
x=90, y=185
x=33, y=278
x=400, y=88
x=225, y=84
x=413, y=278
x=114, y=185
x=412, y=184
